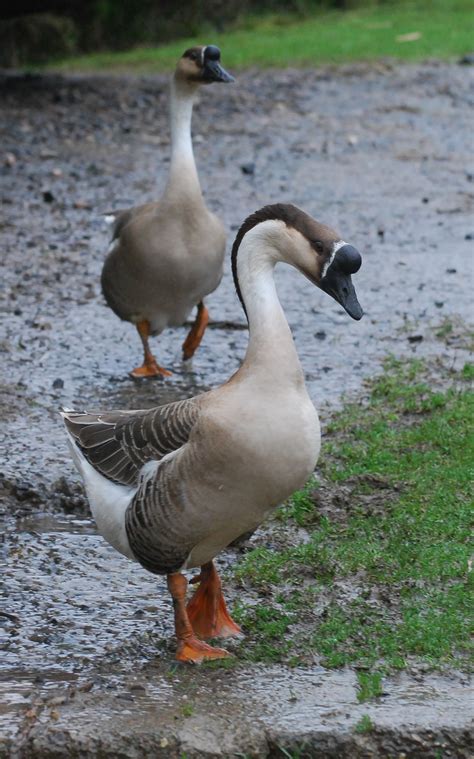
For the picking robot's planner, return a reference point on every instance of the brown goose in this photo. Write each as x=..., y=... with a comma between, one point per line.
x=173, y=486
x=165, y=257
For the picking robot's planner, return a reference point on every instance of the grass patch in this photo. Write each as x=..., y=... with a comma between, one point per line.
x=300, y=506
x=187, y=710
x=364, y=725
x=370, y=686
x=445, y=29
x=384, y=574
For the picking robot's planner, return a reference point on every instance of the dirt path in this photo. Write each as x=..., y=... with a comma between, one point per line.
x=384, y=154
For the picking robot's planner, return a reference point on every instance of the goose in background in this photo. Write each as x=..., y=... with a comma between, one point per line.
x=172, y=486
x=166, y=256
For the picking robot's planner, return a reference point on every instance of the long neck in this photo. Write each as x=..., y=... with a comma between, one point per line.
x=183, y=178
x=271, y=350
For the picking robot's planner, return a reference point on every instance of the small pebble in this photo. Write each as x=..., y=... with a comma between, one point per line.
x=58, y=383
x=48, y=196
x=248, y=168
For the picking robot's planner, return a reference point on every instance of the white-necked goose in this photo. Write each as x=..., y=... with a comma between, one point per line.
x=172, y=486
x=166, y=256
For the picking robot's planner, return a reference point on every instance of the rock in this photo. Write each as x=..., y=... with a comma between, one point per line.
x=248, y=168
x=48, y=196
x=467, y=60
x=58, y=383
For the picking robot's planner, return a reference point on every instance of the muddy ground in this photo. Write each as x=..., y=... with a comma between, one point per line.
x=381, y=152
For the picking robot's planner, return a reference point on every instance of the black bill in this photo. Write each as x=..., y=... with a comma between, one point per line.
x=337, y=281
x=212, y=69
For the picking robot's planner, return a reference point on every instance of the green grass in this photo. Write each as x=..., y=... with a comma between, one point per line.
x=400, y=470
x=187, y=710
x=445, y=28
x=364, y=725
x=370, y=686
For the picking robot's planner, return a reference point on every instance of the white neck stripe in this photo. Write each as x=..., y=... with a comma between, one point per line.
x=336, y=246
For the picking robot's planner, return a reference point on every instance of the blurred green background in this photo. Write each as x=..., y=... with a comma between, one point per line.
x=149, y=35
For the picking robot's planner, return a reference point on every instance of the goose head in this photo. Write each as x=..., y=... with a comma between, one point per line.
x=316, y=250
x=202, y=65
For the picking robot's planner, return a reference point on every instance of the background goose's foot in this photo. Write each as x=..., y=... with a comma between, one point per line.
x=195, y=651
x=150, y=369
x=207, y=610
x=193, y=340
x=150, y=366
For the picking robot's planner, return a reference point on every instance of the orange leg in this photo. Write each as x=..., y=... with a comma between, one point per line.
x=193, y=340
x=190, y=648
x=207, y=609
x=150, y=367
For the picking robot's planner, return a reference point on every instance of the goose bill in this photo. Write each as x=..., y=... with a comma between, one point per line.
x=339, y=286
x=213, y=72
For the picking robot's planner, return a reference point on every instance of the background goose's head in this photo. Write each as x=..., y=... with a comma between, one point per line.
x=313, y=248
x=202, y=65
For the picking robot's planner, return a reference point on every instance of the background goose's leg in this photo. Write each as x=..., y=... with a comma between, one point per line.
x=207, y=609
x=150, y=367
x=190, y=648
x=193, y=340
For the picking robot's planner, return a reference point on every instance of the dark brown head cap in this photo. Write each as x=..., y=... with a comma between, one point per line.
x=319, y=236
x=201, y=64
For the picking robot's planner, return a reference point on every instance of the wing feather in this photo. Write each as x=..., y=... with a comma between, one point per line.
x=119, y=443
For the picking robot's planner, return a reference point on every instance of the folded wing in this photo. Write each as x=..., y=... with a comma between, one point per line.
x=118, y=443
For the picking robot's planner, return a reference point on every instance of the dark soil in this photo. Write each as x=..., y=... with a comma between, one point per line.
x=381, y=152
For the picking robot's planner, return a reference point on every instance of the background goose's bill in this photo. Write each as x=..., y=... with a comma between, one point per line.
x=337, y=280
x=212, y=69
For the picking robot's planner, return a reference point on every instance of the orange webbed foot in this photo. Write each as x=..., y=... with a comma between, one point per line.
x=150, y=369
x=207, y=610
x=195, y=651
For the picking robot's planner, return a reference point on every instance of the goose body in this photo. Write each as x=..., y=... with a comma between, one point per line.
x=166, y=256
x=174, y=485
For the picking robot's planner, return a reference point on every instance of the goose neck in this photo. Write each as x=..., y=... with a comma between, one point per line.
x=183, y=177
x=271, y=349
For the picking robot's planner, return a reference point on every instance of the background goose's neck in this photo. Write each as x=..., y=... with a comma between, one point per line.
x=183, y=178
x=271, y=349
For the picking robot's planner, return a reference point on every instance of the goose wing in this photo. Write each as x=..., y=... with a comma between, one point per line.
x=118, y=443
x=121, y=218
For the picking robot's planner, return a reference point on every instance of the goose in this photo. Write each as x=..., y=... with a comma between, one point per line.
x=172, y=486
x=166, y=256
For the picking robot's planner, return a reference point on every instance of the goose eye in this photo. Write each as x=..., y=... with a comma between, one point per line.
x=318, y=246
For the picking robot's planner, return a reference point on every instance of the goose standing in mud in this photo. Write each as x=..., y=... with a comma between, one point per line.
x=172, y=486
x=166, y=256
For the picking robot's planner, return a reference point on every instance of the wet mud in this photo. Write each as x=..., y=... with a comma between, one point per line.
x=381, y=152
